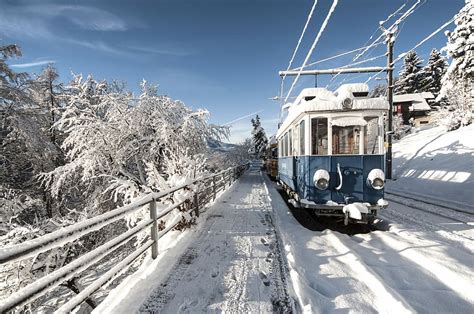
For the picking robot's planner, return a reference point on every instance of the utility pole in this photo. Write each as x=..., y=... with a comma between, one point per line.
x=388, y=155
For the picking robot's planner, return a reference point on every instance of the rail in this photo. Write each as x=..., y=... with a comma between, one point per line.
x=205, y=189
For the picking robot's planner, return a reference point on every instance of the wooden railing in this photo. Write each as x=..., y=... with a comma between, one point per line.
x=205, y=189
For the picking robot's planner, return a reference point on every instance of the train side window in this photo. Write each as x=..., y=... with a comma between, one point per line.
x=319, y=136
x=290, y=142
x=302, y=138
x=285, y=145
x=371, y=136
x=296, y=141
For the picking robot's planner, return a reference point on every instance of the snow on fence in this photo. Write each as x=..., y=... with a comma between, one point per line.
x=210, y=186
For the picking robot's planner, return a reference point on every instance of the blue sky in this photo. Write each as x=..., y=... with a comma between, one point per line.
x=223, y=55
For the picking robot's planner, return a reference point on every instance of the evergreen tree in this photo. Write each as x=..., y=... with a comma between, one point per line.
x=259, y=137
x=433, y=73
x=456, y=91
x=460, y=44
x=379, y=90
x=411, y=76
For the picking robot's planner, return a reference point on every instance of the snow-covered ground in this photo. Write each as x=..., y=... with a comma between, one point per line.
x=251, y=252
x=231, y=262
x=397, y=269
x=436, y=164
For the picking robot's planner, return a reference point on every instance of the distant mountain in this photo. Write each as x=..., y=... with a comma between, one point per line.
x=219, y=146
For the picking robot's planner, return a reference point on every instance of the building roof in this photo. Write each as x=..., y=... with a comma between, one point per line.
x=417, y=100
x=413, y=97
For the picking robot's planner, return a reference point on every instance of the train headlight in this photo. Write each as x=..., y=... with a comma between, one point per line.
x=321, y=179
x=347, y=103
x=376, y=179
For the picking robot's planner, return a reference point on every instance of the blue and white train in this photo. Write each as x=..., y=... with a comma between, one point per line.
x=331, y=155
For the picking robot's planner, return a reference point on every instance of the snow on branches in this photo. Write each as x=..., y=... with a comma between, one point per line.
x=457, y=95
x=128, y=146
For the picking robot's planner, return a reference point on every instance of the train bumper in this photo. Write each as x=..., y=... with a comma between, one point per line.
x=355, y=212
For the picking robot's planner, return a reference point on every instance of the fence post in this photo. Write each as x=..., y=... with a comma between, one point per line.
x=154, y=229
x=214, y=188
x=196, y=203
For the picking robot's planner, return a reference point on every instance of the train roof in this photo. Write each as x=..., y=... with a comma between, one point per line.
x=346, y=98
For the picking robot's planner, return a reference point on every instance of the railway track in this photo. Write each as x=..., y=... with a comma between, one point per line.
x=431, y=203
x=432, y=212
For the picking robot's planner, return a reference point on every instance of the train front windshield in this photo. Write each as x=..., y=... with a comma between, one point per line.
x=350, y=136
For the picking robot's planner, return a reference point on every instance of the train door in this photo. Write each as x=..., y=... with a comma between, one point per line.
x=300, y=173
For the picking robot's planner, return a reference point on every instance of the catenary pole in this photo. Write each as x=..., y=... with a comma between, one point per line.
x=388, y=156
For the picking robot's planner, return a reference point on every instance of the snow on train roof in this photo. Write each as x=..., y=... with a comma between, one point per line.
x=321, y=99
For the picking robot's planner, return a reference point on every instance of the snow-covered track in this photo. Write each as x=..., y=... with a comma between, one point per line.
x=186, y=204
x=419, y=206
x=437, y=204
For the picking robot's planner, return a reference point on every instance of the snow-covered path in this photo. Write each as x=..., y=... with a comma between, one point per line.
x=233, y=264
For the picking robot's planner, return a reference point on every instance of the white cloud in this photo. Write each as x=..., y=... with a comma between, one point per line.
x=32, y=64
x=86, y=17
x=36, y=20
x=96, y=45
x=178, y=52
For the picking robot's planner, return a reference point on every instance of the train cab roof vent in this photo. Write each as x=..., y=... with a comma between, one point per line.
x=360, y=94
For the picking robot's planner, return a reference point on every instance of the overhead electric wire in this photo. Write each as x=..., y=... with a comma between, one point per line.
x=298, y=45
x=301, y=36
x=366, y=46
x=401, y=19
x=396, y=23
x=393, y=14
x=357, y=63
x=331, y=58
x=402, y=55
x=321, y=30
x=439, y=29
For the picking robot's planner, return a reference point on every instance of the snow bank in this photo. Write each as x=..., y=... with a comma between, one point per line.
x=436, y=164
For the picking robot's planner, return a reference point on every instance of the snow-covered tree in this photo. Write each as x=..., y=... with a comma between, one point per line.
x=47, y=90
x=259, y=137
x=25, y=146
x=433, y=73
x=411, y=75
x=457, y=90
x=124, y=147
x=379, y=90
x=461, y=44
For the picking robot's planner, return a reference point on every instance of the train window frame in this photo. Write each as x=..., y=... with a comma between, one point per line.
x=316, y=135
x=290, y=142
x=346, y=140
x=302, y=142
x=296, y=141
x=376, y=149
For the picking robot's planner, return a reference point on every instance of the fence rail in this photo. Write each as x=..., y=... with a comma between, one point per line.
x=201, y=196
